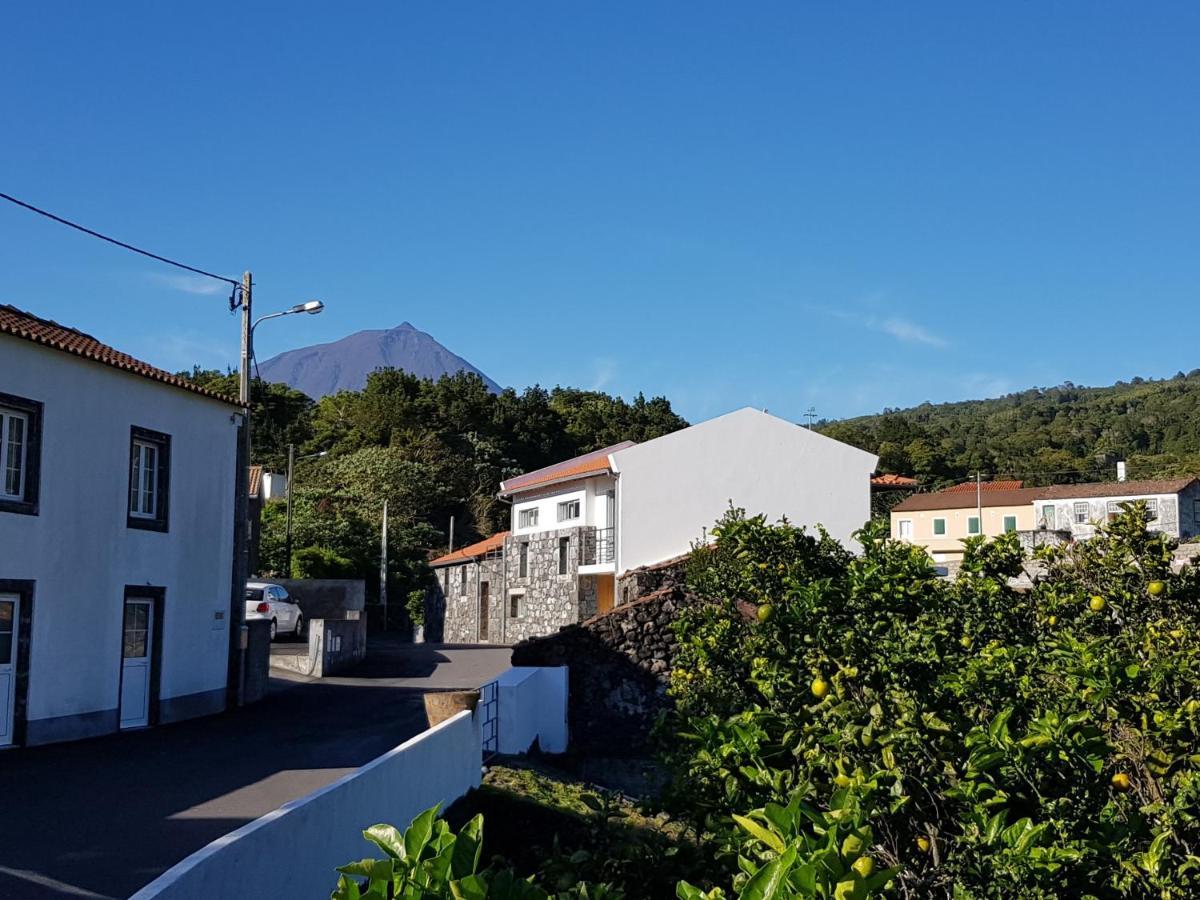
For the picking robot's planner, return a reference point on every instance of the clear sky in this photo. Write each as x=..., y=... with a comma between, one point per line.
x=840, y=205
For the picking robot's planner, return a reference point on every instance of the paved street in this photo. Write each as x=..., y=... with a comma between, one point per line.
x=103, y=817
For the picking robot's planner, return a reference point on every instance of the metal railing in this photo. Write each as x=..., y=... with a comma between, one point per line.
x=489, y=725
x=597, y=546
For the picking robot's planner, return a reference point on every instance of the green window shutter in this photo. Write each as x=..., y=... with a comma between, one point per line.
x=939, y=526
x=973, y=525
x=1010, y=523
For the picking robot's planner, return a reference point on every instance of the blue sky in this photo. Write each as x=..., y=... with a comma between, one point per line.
x=847, y=206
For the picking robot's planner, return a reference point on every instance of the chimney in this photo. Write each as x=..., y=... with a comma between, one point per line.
x=1121, y=470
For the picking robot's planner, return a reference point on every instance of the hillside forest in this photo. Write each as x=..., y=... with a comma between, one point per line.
x=439, y=449
x=432, y=449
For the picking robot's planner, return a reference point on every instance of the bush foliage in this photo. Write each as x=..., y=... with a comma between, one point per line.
x=894, y=733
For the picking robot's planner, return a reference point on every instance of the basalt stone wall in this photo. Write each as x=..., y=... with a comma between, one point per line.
x=547, y=599
x=619, y=665
x=453, y=605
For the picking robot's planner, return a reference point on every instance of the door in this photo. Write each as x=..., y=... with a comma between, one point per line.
x=136, y=653
x=9, y=617
x=604, y=593
x=483, y=611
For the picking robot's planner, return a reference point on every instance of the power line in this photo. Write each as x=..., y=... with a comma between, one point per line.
x=170, y=262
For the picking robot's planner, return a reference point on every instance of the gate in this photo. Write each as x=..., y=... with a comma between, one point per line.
x=489, y=710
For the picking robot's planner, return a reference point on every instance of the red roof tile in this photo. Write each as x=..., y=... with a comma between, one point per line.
x=33, y=328
x=472, y=551
x=890, y=480
x=1116, y=488
x=255, y=476
x=964, y=500
x=969, y=487
x=594, y=463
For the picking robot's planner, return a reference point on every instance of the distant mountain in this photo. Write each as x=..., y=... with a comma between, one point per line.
x=344, y=365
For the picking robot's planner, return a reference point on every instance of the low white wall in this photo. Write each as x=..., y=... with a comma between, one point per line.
x=533, y=706
x=292, y=852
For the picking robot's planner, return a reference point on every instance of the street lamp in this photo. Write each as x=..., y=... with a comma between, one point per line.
x=287, y=544
x=237, y=635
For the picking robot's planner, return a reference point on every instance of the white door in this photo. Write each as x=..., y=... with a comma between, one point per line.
x=136, y=653
x=9, y=616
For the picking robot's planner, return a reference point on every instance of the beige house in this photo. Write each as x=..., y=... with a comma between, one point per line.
x=941, y=521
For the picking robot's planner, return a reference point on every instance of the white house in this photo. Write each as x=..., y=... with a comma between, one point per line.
x=116, y=538
x=1173, y=505
x=579, y=524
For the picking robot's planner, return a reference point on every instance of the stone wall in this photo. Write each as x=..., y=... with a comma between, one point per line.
x=453, y=605
x=549, y=600
x=619, y=665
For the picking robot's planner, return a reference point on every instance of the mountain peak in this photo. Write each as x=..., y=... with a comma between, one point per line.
x=344, y=365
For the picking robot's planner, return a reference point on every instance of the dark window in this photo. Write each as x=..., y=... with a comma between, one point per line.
x=514, y=606
x=149, y=479
x=523, y=568
x=463, y=577
x=564, y=547
x=20, y=454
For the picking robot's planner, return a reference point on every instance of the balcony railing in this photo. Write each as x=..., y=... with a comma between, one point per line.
x=598, y=546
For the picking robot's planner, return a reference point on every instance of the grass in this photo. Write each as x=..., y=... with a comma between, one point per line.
x=540, y=818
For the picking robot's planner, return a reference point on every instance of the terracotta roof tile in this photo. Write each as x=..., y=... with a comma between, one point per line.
x=964, y=500
x=891, y=480
x=21, y=324
x=594, y=463
x=969, y=487
x=256, y=474
x=1116, y=488
x=472, y=551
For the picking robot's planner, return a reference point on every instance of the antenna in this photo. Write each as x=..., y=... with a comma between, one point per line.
x=810, y=414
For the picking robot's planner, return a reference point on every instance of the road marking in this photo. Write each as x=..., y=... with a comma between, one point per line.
x=45, y=881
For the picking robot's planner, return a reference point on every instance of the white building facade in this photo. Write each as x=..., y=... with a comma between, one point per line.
x=116, y=538
x=578, y=525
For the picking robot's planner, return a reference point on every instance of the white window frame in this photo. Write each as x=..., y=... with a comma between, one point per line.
x=934, y=526
x=900, y=528
x=6, y=417
x=569, y=510
x=1081, y=508
x=517, y=597
x=137, y=480
x=528, y=517
x=1154, y=508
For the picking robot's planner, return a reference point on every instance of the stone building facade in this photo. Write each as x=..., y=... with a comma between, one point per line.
x=510, y=588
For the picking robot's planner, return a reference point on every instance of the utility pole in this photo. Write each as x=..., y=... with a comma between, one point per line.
x=287, y=543
x=979, y=500
x=383, y=568
x=237, y=606
x=451, y=550
x=810, y=414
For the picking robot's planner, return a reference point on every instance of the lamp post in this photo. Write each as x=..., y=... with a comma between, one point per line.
x=237, y=626
x=287, y=543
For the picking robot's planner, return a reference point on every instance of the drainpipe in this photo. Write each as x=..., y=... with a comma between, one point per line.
x=504, y=575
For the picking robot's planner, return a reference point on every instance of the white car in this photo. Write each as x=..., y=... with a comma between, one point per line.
x=271, y=601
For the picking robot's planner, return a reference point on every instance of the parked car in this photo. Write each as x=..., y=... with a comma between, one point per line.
x=271, y=601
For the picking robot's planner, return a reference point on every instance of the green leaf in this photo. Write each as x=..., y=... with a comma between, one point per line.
x=419, y=832
x=468, y=847
x=768, y=837
x=767, y=884
x=387, y=839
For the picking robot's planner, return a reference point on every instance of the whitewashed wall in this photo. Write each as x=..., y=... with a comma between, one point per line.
x=533, y=707
x=672, y=487
x=293, y=851
x=81, y=555
x=589, y=493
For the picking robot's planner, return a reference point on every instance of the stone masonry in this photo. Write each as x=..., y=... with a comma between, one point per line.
x=619, y=663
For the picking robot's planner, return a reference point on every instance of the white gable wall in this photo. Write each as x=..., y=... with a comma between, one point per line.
x=81, y=554
x=672, y=488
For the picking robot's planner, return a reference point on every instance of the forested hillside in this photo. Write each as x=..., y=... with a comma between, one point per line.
x=1059, y=434
x=432, y=449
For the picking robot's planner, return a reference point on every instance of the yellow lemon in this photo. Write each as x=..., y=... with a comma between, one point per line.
x=819, y=688
x=923, y=844
x=1155, y=588
x=1097, y=603
x=1052, y=621
x=864, y=866
x=765, y=612
x=1121, y=782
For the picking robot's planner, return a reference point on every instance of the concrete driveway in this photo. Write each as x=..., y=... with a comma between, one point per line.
x=103, y=817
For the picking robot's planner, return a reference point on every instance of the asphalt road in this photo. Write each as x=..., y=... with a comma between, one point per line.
x=103, y=817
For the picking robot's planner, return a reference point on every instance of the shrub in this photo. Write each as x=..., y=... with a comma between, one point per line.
x=415, y=604
x=320, y=562
x=994, y=743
